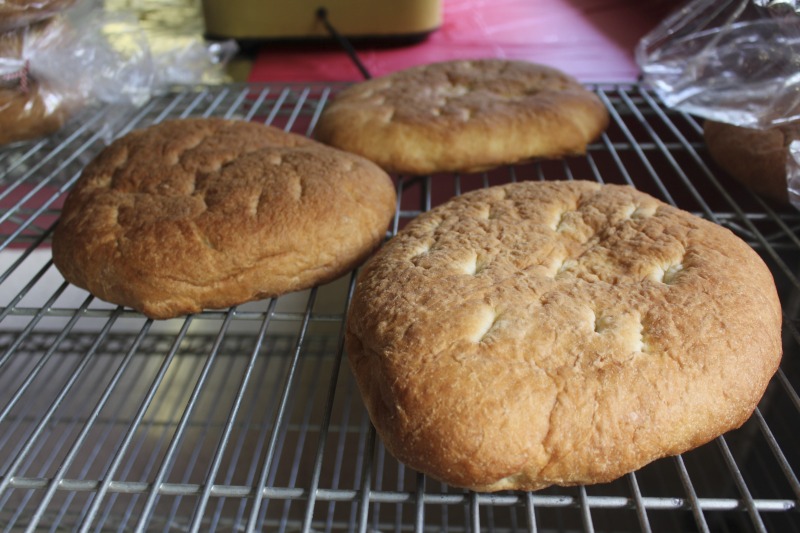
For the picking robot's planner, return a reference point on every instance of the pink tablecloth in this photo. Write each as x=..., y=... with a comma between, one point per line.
x=591, y=39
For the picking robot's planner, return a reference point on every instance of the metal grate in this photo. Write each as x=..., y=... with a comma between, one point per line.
x=248, y=418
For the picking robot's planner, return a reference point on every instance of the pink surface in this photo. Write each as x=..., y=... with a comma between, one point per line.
x=592, y=40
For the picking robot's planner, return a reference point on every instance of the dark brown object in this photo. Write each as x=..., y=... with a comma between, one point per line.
x=756, y=158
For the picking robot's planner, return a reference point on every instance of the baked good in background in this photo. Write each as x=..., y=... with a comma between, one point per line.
x=19, y=13
x=32, y=113
x=756, y=158
x=208, y=213
x=32, y=106
x=11, y=43
x=463, y=116
x=562, y=333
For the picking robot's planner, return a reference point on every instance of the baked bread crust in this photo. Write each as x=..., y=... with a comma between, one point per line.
x=754, y=157
x=561, y=333
x=208, y=213
x=463, y=116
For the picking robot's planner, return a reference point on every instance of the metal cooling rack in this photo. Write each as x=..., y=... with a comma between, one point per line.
x=248, y=418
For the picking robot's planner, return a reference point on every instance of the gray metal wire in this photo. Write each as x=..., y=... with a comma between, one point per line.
x=247, y=418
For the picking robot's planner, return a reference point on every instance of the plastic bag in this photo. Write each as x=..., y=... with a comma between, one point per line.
x=189, y=61
x=174, y=30
x=20, y=13
x=31, y=106
x=52, y=69
x=90, y=55
x=732, y=61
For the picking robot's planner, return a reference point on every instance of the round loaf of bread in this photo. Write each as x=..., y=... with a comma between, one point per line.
x=463, y=116
x=208, y=213
x=561, y=333
x=756, y=158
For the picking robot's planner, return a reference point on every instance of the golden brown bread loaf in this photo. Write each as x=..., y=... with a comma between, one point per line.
x=463, y=116
x=562, y=333
x=208, y=213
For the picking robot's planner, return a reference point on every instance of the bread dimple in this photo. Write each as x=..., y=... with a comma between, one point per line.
x=559, y=333
x=207, y=213
x=463, y=116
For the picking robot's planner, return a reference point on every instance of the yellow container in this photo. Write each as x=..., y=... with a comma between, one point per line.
x=297, y=19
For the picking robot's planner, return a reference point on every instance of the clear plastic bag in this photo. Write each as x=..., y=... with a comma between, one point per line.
x=31, y=105
x=732, y=61
x=20, y=13
x=53, y=69
x=88, y=55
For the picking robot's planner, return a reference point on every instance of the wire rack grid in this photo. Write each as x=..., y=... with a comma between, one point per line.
x=248, y=418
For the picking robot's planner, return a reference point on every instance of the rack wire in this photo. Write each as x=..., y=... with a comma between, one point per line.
x=248, y=418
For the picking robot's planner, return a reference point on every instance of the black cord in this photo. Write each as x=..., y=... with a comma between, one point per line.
x=322, y=15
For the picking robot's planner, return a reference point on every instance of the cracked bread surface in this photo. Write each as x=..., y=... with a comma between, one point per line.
x=208, y=213
x=563, y=333
x=463, y=116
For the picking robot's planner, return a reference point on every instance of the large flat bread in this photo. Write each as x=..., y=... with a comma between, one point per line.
x=562, y=333
x=208, y=213
x=463, y=116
